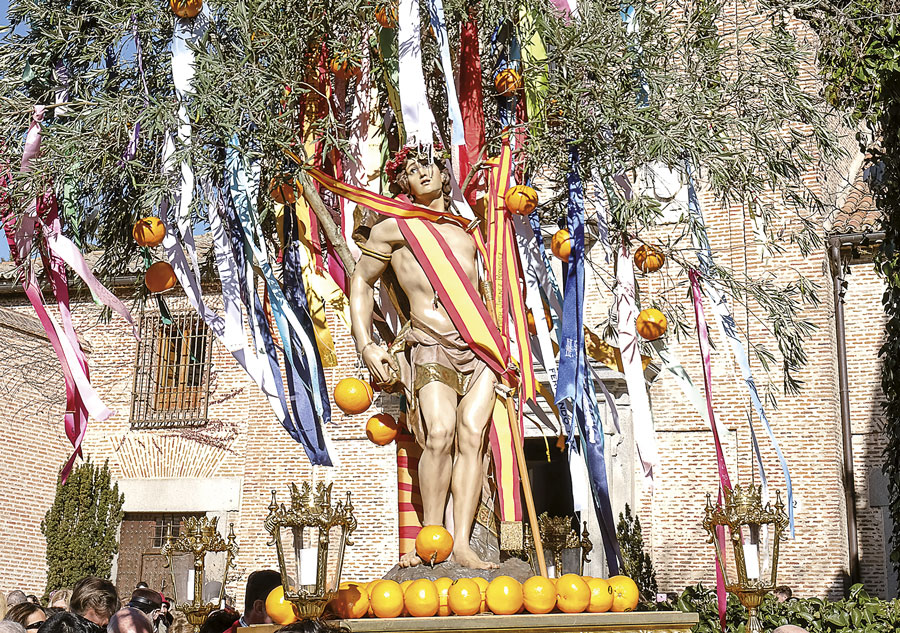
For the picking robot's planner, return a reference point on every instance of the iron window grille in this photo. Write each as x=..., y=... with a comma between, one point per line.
x=171, y=373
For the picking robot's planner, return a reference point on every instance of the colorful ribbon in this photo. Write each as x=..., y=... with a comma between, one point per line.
x=728, y=328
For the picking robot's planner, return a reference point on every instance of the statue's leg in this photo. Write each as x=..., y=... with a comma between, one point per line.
x=437, y=406
x=472, y=421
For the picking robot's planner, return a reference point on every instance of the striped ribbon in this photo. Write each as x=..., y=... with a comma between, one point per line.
x=409, y=500
x=728, y=328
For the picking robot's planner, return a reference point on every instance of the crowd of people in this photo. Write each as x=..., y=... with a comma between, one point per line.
x=93, y=605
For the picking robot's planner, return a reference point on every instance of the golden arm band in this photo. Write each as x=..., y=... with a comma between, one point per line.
x=384, y=257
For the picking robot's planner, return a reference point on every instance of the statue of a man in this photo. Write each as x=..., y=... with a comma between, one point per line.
x=450, y=391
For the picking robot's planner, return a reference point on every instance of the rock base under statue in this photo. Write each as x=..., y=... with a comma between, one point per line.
x=517, y=568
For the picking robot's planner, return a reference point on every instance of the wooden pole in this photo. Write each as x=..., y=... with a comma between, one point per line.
x=526, y=482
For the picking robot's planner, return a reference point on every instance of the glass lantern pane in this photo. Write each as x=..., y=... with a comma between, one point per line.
x=214, y=577
x=334, y=561
x=757, y=547
x=182, y=568
x=301, y=549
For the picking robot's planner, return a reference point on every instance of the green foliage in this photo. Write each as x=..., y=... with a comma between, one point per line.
x=857, y=613
x=730, y=103
x=81, y=526
x=638, y=565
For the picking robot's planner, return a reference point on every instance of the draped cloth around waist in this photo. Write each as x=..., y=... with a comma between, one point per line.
x=425, y=356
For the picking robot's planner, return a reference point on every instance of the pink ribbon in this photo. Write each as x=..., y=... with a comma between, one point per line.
x=81, y=398
x=703, y=337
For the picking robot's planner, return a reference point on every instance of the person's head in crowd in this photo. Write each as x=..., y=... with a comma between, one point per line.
x=95, y=599
x=145, y=600
x=129, y=620
x=789, y=628
x=219, y=621
x=8, y=626
x=312, y=626
x=60, y=598
x=259, y=584
x=2, y=605
x=783, y=593
x=53, y=610
x=33, y=599
x=142, y=585
x=14, y=597
x=66, y=622
x=28, y=614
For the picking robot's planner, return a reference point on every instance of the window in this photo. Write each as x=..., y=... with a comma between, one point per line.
x=171, y=376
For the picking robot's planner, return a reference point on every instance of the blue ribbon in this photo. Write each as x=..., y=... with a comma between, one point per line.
x=726, y=320
x=574, y=381
x=303, y=384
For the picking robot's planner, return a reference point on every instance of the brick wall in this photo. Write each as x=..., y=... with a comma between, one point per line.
x=32, y=403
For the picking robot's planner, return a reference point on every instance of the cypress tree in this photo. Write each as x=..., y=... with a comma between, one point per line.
x=81, y=526
x=637, y=563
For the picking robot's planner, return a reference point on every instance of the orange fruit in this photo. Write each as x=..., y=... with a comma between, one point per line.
x=539, y=595
x=572, y=594
x=601, y=596
x=149, y=231
x=649, y=259
x=507, y=82
x=387, y=599
x=352, y=396
x=482, y=585
x=351, y=601
x=369, y=586
x=521, y=199
x=186, y=8
x=504, y=595
x=443, y=587
x=434, y=544
x=651, y=324
x=387, y=18
x=281, y=189
x=464, y=597
x=382, y=429
x=561, y=244
x=625, y=594
x=404, y=586
x=280, y=610
x=159, y=277
x=421, y=598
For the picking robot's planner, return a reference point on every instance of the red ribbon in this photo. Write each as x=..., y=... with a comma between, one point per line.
x=472, y=107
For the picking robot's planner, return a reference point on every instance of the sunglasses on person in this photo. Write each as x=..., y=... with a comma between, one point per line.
x=34, y=626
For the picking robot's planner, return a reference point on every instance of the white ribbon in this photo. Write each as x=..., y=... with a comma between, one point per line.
x=417, y=117
x=187, y=33
x=630, y=348
x=439, y=24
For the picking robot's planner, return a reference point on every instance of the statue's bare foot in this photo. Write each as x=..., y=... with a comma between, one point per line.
x=410, y=559
x=467, y=558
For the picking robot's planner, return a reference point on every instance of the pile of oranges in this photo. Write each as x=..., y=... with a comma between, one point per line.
x=469, y=596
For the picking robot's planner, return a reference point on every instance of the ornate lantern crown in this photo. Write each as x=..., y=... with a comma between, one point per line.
x=320, y=532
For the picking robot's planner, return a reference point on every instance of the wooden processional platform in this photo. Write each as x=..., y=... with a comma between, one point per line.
x=640, y=622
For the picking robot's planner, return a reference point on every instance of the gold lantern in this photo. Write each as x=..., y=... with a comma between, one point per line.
x=755, y=533
x=192, y=573
x=317, y=534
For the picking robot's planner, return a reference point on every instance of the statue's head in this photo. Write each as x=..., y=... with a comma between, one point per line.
x=420, y=174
